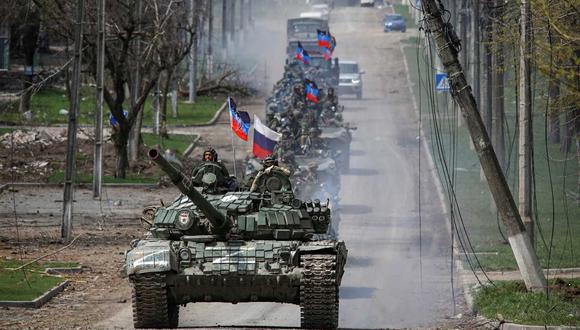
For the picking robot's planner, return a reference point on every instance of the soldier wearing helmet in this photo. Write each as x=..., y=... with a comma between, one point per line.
x=271, y=168
x=210, y=163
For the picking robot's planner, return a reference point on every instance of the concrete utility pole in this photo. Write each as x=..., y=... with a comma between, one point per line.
x=135, y=133
x=525, y=116
x=476, y=37
x=519, y=238
x=497, y=63
x=193, y=50
x=225, y=28
x=98, y=160
x=250, y=9
x=242, y=19
x=488, y=89
x=232, y=26
x=210, y=40
x=464, y=22
x=71, y=152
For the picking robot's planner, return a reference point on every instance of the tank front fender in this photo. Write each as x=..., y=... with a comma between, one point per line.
x=151, y=257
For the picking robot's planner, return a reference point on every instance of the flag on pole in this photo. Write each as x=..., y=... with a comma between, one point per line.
x=323, y=38
x=311, y=91
x=239, y=120
x=301, y=54
x=265, y=139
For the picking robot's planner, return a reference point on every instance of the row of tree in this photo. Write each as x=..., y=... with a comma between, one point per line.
x=491, y=56
x=150, y=44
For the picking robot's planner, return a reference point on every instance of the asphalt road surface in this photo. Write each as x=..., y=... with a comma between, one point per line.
x=397, y=276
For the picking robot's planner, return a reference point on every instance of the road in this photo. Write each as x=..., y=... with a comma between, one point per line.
x=397, y=276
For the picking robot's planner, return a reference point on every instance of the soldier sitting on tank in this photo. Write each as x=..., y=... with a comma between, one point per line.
x=313, y=141
x=285, y=150
x=271, y=177
x=330, y=99
x=213, y=169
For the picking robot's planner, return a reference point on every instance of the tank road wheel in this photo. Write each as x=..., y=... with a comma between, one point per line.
x=152, y=306
x=318, y=292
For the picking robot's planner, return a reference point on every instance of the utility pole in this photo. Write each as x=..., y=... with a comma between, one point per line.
x=488, y=90
x=209, y=40
x=518, y=237
x=232, y=25
x=464, y=22
x=135, y=133
x=68, y=197
x=250, y=9
x=242, y=19
x=193, y=50
x=476, y=37
x=225, y=28
x=497, y=63
x=525, y=117
x=98, y=160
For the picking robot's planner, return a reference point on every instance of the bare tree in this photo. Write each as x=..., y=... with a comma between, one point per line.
x=136, y=40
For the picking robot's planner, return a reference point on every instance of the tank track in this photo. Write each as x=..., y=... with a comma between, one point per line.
x=319, y=292
x=152, y=307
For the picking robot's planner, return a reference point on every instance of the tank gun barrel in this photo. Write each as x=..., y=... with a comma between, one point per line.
x=184, y=184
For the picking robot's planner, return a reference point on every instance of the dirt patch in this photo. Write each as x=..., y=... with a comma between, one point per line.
x=35, y=155
x=93, y=294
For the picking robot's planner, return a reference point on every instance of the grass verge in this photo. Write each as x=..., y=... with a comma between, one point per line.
x=514, y=304
x=47, y=106
x=29, y=284
x=403, y=10
x=554, y=180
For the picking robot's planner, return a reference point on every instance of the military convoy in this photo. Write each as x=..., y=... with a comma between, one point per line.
x=267, y=238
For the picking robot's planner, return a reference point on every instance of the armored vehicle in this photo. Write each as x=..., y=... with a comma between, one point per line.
x=338, y=138
x=304, y=28
x=235, y=247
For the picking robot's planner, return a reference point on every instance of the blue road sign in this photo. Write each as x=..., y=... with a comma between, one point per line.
x=441, y=82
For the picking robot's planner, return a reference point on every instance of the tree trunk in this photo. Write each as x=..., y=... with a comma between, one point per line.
x=163, y=109
x=498, y=115
x=135, y=139
x=121, y=138
x=554, y=122
x=25, y=98
x=568, y=133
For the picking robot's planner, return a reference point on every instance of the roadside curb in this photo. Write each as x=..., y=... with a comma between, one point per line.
x=78, y=185
x=38, y=302
x=515, y=326
x=213, y=120
x=64, y=270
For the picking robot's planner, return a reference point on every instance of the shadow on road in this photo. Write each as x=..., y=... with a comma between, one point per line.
x=357, y=153
x=353, y=209
x=356, y=292
x=359, y=261
x=362, y=172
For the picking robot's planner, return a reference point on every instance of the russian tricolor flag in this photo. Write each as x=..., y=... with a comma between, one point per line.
x=239, y=120
x=265, y=139
x=311, y=91
x=302, y=55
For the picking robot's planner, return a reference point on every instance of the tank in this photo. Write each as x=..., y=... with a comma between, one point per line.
x=338, y=139
x=264, y=246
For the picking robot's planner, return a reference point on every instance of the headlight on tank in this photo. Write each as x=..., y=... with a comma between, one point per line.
x=184, y=220
x=184, y=254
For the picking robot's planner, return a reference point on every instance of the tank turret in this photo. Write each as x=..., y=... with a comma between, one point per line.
x=184, y=184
